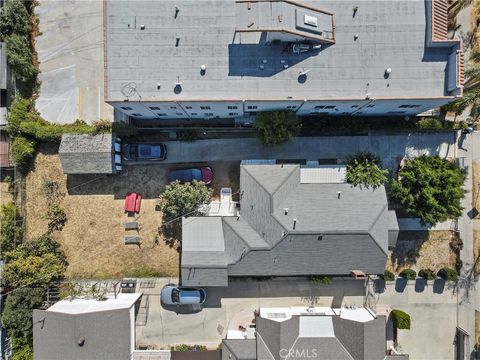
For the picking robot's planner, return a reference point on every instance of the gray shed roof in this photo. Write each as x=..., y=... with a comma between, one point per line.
x=346, y=339
x=87, y=154
x=107, y=335
x=391, y=34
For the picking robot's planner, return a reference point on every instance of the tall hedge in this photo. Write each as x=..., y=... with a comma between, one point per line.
x=401, y=320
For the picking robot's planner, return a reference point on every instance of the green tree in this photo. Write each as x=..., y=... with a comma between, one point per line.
x=22, y=151
x=276, y=127
x=471, y=90
x=364, y=169
x=20, y=57
x=430, y=188
x=36, y=262
x=181, y=199
x=11, y=231
x=17, y=314
x=14, y=19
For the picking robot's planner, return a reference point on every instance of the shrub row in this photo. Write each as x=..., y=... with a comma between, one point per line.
x=428, y=274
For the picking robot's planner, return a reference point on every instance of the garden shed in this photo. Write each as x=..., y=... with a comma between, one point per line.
x=90, y=154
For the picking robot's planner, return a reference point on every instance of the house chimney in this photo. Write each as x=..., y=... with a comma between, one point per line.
x=339, y=193
x=294, y=223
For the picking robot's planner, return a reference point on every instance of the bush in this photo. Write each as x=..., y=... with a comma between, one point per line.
x=11, y=231
x=185, y=347
x=388, y=276
x=14, y=19
x=364, y=169
x=448, y=274
x=430, y=123
x=102, y=126
x=17, y=314
x=427, y=274
x=56, y=217
x=409, y=274
x=44, y=131
x=23, y=353
x=401, y=320
x=320, y=279
x=20, y=57
x=187, y=135
x=21, y=110
x=22, y=151
x=430, y=188
x=123, y=129
x=276, y=127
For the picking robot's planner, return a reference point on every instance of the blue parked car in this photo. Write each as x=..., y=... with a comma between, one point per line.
x=175, y=295
x=156, y=152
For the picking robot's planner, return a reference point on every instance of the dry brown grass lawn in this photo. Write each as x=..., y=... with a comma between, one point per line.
x=422, y=250
x=93, y=237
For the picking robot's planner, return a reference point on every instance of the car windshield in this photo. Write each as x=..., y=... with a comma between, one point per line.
x=175, y=296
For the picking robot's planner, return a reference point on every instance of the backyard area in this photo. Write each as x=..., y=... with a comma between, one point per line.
x=93, y=236
x=422, y=250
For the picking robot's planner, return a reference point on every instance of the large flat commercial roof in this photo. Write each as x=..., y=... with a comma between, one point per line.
x=151, y=46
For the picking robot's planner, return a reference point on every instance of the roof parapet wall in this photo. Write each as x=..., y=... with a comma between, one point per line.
x=437, y=36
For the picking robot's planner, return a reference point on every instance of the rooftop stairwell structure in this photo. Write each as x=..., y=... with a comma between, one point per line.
x=437, y=36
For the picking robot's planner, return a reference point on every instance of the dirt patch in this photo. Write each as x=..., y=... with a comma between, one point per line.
x=422, y=250
x=93, y=236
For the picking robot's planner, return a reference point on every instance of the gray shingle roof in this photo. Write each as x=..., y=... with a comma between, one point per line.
x=86, y=154
x=239, y=350
x=107, y=335
x=332, y=235
x=350, y=340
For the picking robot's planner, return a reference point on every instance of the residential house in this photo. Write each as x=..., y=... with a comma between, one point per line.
x=293, y=221
x=311, y=333
x=86, y=329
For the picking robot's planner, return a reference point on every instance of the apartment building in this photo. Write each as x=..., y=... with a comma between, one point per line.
x=211, y=59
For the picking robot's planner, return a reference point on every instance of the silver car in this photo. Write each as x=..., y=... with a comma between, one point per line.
x=176, y=295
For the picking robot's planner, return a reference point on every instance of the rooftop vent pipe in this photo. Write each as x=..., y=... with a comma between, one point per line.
x=339, y=193
x=294, y=223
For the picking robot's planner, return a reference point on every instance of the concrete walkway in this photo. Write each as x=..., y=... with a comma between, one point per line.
x=391, y=148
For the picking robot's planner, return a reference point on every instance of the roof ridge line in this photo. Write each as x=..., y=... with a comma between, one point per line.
x=382, y=211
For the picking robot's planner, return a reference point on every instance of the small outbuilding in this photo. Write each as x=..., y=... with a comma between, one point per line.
x=90, y=154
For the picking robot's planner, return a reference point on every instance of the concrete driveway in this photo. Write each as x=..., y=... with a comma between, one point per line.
x=434, y=316
x=70, y=51
x=208, y=324
x=391, y=148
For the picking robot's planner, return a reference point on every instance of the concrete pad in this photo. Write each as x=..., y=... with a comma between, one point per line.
x=70, y=51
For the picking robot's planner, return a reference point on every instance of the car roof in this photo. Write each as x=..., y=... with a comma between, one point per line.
x=190, y=296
